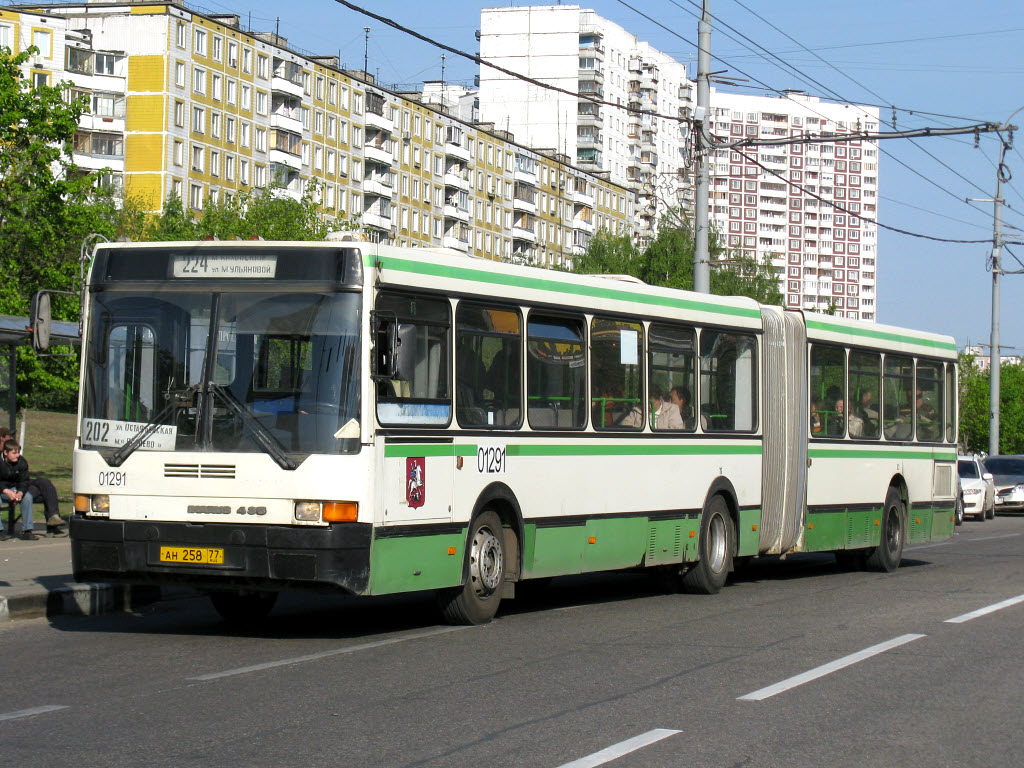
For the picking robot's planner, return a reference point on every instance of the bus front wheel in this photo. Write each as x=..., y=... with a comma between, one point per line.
x=887, y=555
x=476, y=601
x=717, y=549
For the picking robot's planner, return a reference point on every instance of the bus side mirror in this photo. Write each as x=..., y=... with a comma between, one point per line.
x=384, y=327
x=41, y=320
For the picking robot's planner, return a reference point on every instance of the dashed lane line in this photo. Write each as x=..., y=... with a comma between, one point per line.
x=827, y=669
x=616, y=751
x=985, y=611
x=324, y=654
x=31, y=712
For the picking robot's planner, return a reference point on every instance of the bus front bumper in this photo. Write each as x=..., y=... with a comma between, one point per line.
x=253, y=557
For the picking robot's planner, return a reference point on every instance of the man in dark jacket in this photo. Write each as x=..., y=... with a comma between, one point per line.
x=16, y=486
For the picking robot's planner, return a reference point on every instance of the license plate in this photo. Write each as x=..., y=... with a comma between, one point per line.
x=192, y=555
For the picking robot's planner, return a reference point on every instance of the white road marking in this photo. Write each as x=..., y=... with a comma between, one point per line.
x=616, y=751
x=826, y=669
x=928, y=546
x=985, y=611
x=993, y=538
x=324, y=654
x=30, y=712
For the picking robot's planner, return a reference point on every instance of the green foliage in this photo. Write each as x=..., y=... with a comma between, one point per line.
x=668, y=262
x=974, y=407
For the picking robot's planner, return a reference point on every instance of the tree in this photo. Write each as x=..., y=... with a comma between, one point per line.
x=974, y=407
x=668, y=262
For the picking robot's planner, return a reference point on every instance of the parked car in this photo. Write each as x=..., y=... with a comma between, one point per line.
x=1008, y=473
x=976, y=488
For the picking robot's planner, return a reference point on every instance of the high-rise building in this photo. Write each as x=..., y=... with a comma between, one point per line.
x=808, y=207
x=801, y=205
x=639, y=136
x=189, y=104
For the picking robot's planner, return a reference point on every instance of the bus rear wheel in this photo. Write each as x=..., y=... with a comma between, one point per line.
x=243, y=608
x=476, y=601
x=717, y=550
x=887, y=555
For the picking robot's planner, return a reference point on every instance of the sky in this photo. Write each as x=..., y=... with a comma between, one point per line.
x=941, y=64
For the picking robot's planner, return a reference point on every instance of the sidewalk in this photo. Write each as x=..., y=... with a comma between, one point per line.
x=36, y=580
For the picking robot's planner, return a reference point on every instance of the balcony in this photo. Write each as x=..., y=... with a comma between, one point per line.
x=451, y=241
x=457, y=151
x=457, y=180
x=378, y=154
x=584, y=198
x=102, y=123
x=525, y=177
x=379, y=121
x=589, y=141
x=583, y=225
x=519, y=233
x=379, y=185
x=590, y=75
x=284, y=119
x=375, y=220
x=285, y=158
x=284, y=85
x=452, y=211
x=524, y=205
x=590, y=119
x=285, y=193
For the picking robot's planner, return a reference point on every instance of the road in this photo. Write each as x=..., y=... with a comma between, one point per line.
x=796, y=663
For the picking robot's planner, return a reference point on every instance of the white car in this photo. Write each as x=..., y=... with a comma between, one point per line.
x=976, y=488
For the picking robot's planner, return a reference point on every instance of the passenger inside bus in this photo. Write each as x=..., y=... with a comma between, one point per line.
x=680, y=397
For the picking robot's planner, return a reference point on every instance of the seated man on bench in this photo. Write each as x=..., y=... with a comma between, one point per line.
x=17, y=487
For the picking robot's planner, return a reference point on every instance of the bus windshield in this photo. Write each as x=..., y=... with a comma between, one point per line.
x=232, y=371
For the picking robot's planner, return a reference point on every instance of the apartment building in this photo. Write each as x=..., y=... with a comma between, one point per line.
x=803, y=205
x=809, y=207
x=640, y=136
x=192, y=105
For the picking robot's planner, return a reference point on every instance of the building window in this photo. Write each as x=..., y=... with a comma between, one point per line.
x=200, y=42
x=195, y=197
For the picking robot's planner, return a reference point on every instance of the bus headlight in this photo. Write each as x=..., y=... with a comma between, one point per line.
x=307, y=511
x=93, y=506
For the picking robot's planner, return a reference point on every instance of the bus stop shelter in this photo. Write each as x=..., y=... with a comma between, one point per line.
x=16, y=332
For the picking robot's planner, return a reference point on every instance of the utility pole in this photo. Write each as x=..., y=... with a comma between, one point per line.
x=366, y=52
x=1002, y=175
x=702, y=144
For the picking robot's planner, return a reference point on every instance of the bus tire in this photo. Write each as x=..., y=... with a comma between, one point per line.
x=887, y=555
x=243, y=608
x=476, y=601
x=717, y=549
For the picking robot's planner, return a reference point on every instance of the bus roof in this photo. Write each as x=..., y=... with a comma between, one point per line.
x=428, y=268
x=859, y=333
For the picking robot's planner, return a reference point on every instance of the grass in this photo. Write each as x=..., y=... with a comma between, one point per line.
x=49, y=443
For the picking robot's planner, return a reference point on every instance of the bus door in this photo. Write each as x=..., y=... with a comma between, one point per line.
x=412, y=375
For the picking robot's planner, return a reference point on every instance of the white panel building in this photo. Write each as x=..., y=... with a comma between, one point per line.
x=807, y=211
x=774, y=201
x=639, y=137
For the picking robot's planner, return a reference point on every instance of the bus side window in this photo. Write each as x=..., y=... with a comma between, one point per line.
x=421, y=393
x=672, y=373
x=556, y=372
x=865, y=393
x=898, y=398
x=488, y=366
x=828, y=391
x=728, y=382
x=616, y=376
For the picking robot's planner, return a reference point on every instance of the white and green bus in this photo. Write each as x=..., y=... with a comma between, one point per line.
x=258, y=417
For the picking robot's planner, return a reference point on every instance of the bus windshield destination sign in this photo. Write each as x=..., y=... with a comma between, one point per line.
x=224, y=265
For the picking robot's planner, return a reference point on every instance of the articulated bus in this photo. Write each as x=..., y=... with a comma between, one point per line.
x=349, y=417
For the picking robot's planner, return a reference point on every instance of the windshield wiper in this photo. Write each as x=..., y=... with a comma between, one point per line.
x=183, y=400
x=264, y=438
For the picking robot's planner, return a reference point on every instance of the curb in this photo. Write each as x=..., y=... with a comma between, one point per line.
x=77, y=600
